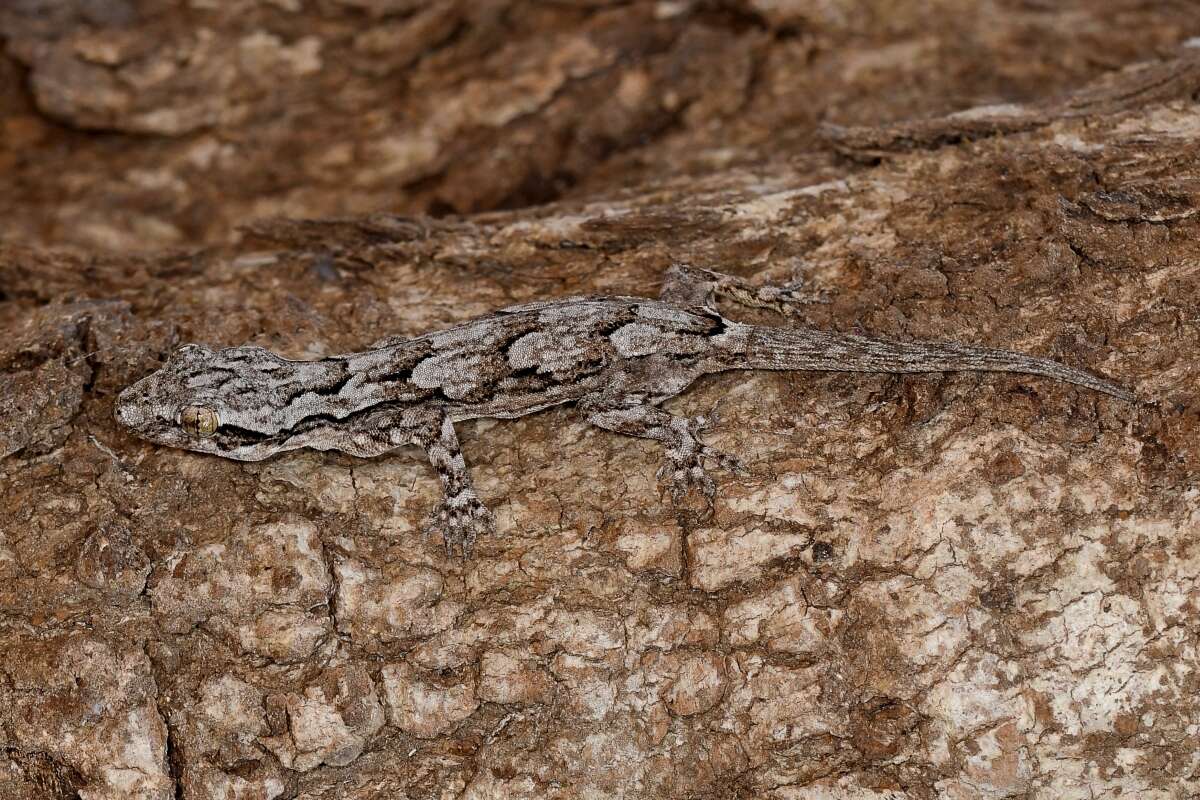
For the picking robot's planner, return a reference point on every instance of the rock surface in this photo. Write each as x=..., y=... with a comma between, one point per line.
x=956, y=586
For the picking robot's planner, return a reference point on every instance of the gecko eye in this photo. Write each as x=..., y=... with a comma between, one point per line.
x=199, y=421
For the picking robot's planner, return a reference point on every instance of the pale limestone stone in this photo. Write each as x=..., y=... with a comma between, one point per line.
x=90, y=704
x=650, y=548
x=425, y=709
x=265, y=590
x=721, y=557
x=331, y=722
x=697, y=683
x=665, y=627
x=783, y=621
x=590, y=691
x=385, y=605
x=513, y=677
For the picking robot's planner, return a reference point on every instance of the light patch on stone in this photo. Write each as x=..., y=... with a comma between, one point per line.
x=513, y=677
x=587, y=633
x=423, y=709
x=261, y=52
x=929, y=624
x=284, y=635
x=670, y=626
x=590, y=690
x=1093, y=668
x=1004, y=110
x=845, y=788
x=651, y=548
x=786, y=497
x=406, y=155
x=997, y=762
x=981, y=690
x=697, y=684
x=724, y=556
x=330, y=487
x=775, y=204
x=405, y=601
x=265, y=590
x=780, y=704
x=782, y=621
x=545, y=230
x=232, y=706
x=330, y=722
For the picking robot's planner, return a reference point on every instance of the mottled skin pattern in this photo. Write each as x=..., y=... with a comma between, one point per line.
x=616, y=358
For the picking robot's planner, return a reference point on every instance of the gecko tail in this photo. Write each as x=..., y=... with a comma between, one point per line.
x=806, y=348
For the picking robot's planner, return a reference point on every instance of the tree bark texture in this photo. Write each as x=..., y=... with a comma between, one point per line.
x=959, y=586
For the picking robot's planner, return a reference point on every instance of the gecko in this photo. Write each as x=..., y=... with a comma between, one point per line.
x=616, y=358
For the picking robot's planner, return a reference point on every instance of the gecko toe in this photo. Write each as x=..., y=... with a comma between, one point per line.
x=723, y=460
x=462, y=519
x=686, y=473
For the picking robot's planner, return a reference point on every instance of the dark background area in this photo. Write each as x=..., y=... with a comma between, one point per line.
x=136, y=126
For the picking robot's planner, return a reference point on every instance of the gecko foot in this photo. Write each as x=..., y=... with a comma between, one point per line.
x=791, y=299
x=462, y=519
x=688, y=457
x=688, y=472
x=689, y=285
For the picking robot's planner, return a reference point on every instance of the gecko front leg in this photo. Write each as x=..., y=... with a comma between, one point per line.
x=460, y=515
x=686, y=454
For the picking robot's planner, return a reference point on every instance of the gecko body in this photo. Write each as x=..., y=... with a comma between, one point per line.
x=616, y=358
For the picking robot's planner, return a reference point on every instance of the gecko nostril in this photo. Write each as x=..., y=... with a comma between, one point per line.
x=129, y=415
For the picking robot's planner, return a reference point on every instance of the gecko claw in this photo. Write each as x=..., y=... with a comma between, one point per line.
x=689, y=471
x=687, y=461
x=462, y=519
x=791, y=298
x=682, y=477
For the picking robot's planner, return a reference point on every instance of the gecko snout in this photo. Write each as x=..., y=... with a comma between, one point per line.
x=127, y=411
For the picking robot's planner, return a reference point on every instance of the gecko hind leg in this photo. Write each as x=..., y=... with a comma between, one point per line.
x=460, y=515
x=689, y=285
x=687, y=455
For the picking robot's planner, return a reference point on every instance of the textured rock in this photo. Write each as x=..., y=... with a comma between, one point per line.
x=513, y=678
x=81, y=701
x=425, y=709
x=330, y=723
x=264, y=592
x=954, y=586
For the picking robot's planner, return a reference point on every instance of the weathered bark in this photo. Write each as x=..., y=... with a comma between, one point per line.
x=933, y=586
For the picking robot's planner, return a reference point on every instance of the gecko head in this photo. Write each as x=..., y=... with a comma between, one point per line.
x=211, y=401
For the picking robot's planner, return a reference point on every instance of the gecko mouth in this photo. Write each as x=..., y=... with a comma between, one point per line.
x=233, y=436
x=230, y=441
